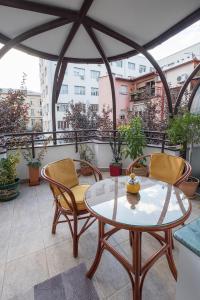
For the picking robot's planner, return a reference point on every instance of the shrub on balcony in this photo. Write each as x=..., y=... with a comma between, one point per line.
x=134, y=138
x=9, y=183
x=86, y=153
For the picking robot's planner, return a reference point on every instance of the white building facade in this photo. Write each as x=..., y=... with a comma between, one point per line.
x=81, y=84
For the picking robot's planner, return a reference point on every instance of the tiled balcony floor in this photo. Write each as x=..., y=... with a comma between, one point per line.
x=29, y=253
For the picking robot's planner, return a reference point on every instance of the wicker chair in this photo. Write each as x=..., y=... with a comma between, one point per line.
x=184, y=173
x=69, y=196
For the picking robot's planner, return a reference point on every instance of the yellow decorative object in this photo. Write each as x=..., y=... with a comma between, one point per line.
x=133, y=185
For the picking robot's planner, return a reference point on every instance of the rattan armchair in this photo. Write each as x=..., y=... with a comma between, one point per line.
x=69, y=196
x=184, y=176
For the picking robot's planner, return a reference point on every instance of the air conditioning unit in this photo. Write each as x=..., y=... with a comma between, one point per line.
x=182, y=78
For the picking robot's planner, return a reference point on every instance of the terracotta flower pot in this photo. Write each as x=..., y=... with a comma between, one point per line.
x=34, y=175
x=115, y=170
x=86, y=171
x=140, y=171
x=190, y=187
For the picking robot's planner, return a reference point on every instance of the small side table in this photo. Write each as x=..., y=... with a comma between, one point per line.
x=188, y=284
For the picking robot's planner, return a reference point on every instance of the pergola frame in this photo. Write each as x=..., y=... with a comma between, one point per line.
x=66, y=16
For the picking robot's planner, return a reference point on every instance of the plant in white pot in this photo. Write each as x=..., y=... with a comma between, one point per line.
x=184, y=129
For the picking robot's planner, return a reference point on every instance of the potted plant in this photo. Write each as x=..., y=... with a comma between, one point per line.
x=9, y=183
x=134, y=137
x=87, y=154
x=116, y=166
x=184, y=129
x=34, y=162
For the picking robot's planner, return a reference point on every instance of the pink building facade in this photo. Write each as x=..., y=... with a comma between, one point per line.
x=123, y=89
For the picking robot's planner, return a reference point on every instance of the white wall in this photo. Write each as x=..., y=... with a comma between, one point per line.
x=102, y=152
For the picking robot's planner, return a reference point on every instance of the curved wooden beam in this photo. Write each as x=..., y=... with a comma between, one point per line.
x=140, y=49
x=180, y=95
x=33, y=32
x=106, y=62
x=63, y=12
x=40, y=8
x=82, y=13
x=194, y=91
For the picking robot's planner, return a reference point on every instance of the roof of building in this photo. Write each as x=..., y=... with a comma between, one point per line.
x=29, y=93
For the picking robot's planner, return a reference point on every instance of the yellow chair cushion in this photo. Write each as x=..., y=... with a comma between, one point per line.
x=79, y=192
x=64, y=172
x=166, y=167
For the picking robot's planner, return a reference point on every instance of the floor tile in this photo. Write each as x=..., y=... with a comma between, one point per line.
x=2, y=270
x=60, y=258
x=23, y=243
x=4, y=242
x=22, y=274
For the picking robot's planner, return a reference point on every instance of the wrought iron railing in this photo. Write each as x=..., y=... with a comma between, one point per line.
x=76, y=137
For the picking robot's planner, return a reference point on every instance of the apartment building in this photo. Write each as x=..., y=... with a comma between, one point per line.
x=132, y=93
x=81, y=84
x=34, y=101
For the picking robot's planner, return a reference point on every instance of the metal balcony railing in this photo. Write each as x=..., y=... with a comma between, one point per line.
x=76, y=137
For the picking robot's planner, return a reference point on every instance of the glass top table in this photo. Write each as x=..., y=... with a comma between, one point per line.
x=157, y=204
x=158, y=207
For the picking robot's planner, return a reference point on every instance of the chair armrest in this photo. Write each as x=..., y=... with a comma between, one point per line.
x=134, y=163
x=186, y=174
x=62, y=188
x=95, y=169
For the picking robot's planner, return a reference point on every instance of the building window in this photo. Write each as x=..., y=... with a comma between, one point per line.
x=46, y=90
x=123, y=89
x=94, y=107
x=94, y=91
x=131, y=66
x=142, y=69
x=95, y=74
x=31, y=102
x=32, y=112
x=64, y=89
x=79, y=72
x=79, y=90
x=32, y=122
x=40, y=102
x=151, y=69
x=119, y=63
x=40, y=112
x=62, y=125
x=62, y=107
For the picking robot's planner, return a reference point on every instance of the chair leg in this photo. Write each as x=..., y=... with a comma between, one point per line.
x=55, y=220
x=75, y=237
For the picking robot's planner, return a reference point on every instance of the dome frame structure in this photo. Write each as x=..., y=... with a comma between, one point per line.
x=76, y=21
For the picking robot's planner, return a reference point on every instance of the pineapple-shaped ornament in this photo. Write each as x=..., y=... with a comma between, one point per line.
x=133, y=185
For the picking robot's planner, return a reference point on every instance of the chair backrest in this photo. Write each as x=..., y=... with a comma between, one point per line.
x=64, y=172
x=166, y=167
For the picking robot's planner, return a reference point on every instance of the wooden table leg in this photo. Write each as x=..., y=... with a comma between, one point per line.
x=136, y=257
x=100, y=248
x=169, y=254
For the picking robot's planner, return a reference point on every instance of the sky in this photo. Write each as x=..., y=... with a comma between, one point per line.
x=15, y=62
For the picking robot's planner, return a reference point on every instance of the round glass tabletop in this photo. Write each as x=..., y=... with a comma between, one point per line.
x=157, y=204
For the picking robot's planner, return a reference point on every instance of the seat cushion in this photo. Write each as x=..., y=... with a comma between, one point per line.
x=64, y=172
x=166, y=167
x=79, y=192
